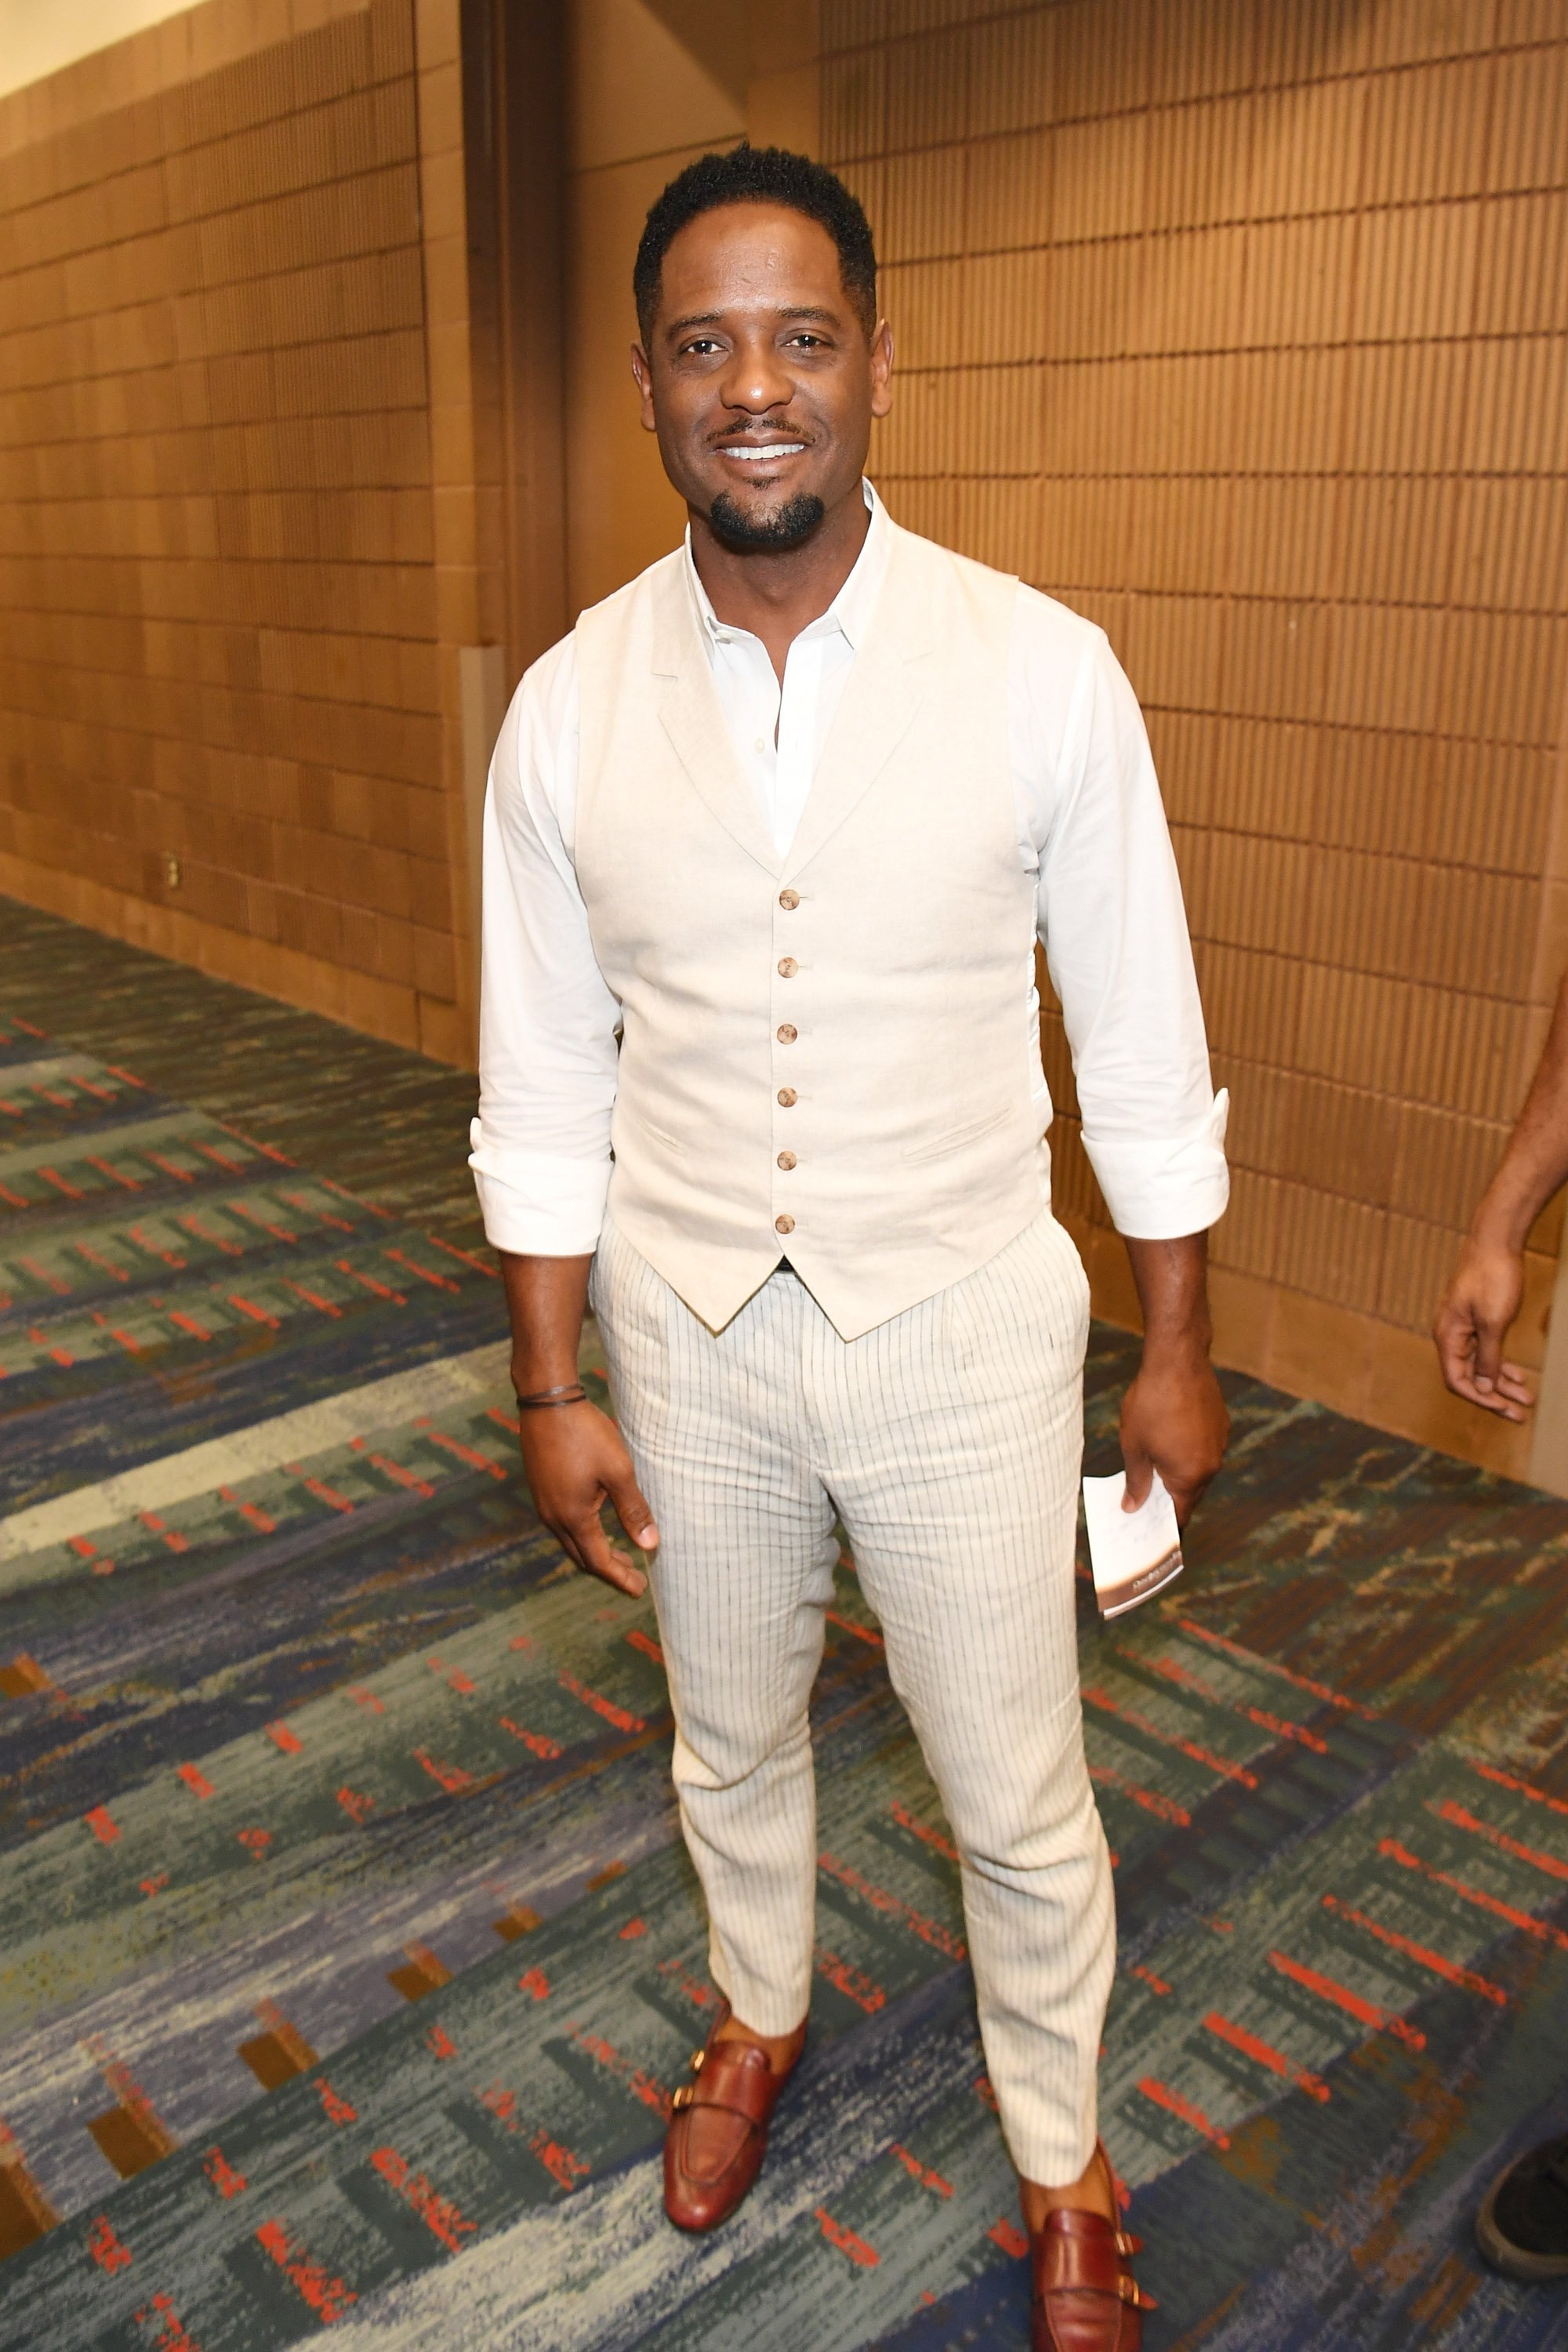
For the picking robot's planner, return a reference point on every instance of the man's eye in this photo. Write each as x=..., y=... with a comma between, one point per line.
x=814, y=342
x=700, y=345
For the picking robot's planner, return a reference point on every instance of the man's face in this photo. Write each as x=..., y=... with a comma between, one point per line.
x=759, y=378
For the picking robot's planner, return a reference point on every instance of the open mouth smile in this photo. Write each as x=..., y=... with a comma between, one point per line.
x=760, y=453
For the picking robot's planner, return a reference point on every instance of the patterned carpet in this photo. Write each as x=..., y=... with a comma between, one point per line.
x=348, y=1953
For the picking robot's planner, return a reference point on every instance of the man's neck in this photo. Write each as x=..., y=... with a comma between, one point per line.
x=775, y=595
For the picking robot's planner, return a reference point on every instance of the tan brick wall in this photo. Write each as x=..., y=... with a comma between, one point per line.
x=221, y=566
x=1243, y=326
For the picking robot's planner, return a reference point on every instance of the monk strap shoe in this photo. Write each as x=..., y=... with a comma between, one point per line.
x=1085, y=2297
x=718, y=2132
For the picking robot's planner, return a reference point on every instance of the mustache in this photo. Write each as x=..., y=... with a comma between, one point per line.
x=773, y=428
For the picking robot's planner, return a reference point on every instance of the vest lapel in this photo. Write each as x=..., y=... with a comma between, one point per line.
x=693, y=718
x=881, y=702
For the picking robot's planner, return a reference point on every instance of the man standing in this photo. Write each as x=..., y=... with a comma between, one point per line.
x=1522, y=2226
x=785, y=814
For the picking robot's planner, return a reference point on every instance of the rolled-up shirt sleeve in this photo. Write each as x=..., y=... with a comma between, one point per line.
x=1114, y=930
x=548, y=1020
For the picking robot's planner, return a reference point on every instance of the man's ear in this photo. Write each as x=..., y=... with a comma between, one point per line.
x=881, y=368
x=643, y=374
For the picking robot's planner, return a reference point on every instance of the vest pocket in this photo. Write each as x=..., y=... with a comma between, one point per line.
x=957, y=1136
x=655, y=1134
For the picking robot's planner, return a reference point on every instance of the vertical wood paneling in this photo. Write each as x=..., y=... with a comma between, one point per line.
x=1273, y=382
x=218, y=612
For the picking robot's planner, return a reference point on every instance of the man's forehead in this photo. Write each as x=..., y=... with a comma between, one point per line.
x=764, y=252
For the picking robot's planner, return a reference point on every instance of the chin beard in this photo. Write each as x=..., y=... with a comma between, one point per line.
x=793, y=521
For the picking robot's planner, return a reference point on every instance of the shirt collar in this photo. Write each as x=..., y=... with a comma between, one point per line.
x=851, y=611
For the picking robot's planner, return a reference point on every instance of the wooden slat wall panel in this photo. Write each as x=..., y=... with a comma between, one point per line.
x=1245, y=330
x=219, y=586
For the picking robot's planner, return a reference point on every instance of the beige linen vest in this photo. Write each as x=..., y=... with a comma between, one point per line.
x=822, y=1053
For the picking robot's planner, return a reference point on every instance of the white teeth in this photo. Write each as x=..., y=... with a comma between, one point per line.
x=770, y=449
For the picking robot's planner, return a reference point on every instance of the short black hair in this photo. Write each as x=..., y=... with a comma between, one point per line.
x=759, y=175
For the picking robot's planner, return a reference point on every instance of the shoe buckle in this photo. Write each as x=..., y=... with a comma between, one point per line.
x=681, y=2097
x=1128, y=2288
x=697, y=2058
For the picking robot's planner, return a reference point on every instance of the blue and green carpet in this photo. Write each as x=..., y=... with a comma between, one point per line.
x=347, y=1952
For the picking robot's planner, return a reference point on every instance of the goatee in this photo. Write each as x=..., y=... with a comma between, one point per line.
x=793, y=521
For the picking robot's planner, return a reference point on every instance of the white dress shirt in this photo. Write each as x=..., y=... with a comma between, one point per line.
x=1092, y=828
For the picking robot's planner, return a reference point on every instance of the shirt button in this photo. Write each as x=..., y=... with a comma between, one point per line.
x=783, y=1224
x=787, y=1033
x=786, y=1160
x=790, y=899
x=762, y=743
x=787, y=967
x=787, y=1094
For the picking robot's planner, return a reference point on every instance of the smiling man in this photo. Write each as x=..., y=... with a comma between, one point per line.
x=770, y=840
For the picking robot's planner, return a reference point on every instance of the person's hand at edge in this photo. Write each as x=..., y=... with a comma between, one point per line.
x=1481, y=1301
x=1487, y=1287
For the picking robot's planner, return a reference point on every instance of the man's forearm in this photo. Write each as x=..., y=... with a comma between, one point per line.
x=1172, y=1290
x=1536, y=1161
x=546, y=1299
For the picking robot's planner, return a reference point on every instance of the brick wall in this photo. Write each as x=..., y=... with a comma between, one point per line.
x=222, y=712
x=1243, y=328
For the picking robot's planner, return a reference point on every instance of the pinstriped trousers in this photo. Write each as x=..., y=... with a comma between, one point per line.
x=948, y=1441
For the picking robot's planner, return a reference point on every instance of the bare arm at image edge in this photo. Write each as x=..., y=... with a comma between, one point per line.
x=1483, y=1297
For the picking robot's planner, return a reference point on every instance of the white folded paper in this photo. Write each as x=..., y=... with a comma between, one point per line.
x=1133, y=1554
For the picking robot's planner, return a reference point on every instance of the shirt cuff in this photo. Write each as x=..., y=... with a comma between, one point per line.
x=1158, y=1188
x=535, y=1203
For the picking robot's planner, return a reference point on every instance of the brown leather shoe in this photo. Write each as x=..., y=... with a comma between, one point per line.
x=1086, y=2299
x=718, y=2134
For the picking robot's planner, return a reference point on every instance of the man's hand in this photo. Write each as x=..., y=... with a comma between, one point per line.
x=1173, y=1420
x=1172, y=1417
x=1472, y=1323
x=1487, y=1285
x=575, y=1457
x=576, y=1461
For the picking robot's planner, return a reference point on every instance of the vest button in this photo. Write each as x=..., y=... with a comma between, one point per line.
x=786, y=1160
x=787, y=967
x=787, y=1033
x=790, y=899
x=783, y=1224
x=787, y=1096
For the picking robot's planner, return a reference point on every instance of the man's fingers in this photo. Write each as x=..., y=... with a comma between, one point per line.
x=1491, y=1399
x=633, y=1512
x=1455, y=1334
x=1139, y=1478
x=591, y=1548
x=1488, y=1351
x=624, y=1573
x=1461, y=1336
x=1185, y=1498
x=1470, y=1356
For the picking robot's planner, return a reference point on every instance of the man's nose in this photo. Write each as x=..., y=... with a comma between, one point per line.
x=756, y=380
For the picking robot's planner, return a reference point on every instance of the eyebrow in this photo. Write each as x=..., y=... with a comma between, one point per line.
x=715, y=318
